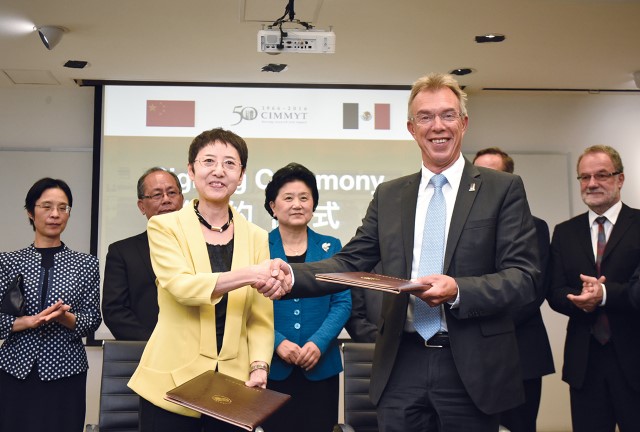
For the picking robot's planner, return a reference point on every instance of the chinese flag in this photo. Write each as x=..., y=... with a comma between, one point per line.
x=171, y=113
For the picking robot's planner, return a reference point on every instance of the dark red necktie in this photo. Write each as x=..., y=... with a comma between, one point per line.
x=601, y=330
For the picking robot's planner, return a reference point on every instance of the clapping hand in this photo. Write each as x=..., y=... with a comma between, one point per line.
x=51, y=313
x=591, y=295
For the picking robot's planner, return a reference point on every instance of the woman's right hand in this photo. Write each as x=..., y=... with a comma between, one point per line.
x=288, y=351
x=273, y=278
x=35, y=321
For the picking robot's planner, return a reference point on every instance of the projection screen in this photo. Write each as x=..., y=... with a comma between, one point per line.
x=351, y=138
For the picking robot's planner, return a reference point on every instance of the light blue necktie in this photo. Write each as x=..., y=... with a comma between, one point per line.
x=426, y=319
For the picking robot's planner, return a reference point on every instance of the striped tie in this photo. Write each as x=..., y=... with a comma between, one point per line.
x=601, y=329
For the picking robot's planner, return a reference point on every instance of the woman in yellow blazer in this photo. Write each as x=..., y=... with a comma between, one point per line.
x=206, y=257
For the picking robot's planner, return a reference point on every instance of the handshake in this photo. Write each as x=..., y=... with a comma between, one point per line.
x=274, y=278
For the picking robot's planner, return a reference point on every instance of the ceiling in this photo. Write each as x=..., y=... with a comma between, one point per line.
x=550, y=44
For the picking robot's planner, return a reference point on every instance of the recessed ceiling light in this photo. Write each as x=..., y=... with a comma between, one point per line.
x=274, y=67
x=491, y=37
x=461, y=71
x=75, y=64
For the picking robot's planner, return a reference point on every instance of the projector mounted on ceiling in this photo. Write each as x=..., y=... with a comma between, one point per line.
x=273, y=41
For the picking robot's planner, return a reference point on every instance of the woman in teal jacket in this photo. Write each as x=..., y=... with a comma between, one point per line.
x=306, y=363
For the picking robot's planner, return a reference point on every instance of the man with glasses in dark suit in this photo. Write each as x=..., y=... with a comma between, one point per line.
x=593, y=257
x=129, y=298
x=446, y=357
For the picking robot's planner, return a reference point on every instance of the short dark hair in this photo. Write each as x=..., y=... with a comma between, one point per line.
x=507, y=162
x=223, y=136
x=291, y=172
x=38, y=188
x=143, y=177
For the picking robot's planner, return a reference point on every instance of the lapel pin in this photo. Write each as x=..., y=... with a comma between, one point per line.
x=472, y=187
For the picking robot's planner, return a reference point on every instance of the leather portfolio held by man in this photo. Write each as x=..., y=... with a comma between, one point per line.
x=371, y=281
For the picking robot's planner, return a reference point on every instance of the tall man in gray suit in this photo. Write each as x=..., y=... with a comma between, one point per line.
x=593, y=258
x=130, y=297
x=533, y=343
x=460, y=378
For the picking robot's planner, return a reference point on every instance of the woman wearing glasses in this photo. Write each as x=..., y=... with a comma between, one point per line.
x=206, y=257
x=43, y=363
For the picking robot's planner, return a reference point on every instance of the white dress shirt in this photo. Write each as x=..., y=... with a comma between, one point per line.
x=612, y=217
x=425, y=193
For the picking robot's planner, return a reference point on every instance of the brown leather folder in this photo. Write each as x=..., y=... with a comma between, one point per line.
x=228, y=399
x=371, y=281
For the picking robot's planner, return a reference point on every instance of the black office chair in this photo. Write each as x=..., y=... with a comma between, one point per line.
x=359, y=412
x=118, y=403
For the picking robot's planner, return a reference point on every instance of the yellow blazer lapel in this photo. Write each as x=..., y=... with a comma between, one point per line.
x=237, y=300
x=194, y=239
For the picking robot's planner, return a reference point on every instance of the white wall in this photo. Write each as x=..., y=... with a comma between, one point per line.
x=38, y=118
x=558, y=123
x=53, y=128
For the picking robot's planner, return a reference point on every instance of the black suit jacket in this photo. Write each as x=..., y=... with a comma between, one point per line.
x=491, y=252
x=572, y=255
x=366, y=306
x=533, y=342
x=634, y=289
x=130, y=297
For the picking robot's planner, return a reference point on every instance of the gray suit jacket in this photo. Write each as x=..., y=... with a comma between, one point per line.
x=491, y=252
x=533, y=343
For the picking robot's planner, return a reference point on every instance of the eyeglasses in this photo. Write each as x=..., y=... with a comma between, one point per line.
x=48, y=207
x=426, y=118
x=601, y=176
x=158, y=196
x=228, y=164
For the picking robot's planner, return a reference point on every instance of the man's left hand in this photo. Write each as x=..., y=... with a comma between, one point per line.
x=439, y=289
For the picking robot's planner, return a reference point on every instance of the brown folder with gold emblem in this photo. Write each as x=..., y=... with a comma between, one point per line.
x=371, y=281
x=228, y=399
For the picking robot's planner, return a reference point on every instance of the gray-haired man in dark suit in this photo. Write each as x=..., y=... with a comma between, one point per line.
x=129, y=298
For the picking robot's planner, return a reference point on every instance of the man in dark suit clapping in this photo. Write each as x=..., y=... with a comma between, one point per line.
x=129, y=298
x=593, y=258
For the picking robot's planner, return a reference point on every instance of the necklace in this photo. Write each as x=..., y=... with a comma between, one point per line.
x=204, y=222
x=294, y=252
